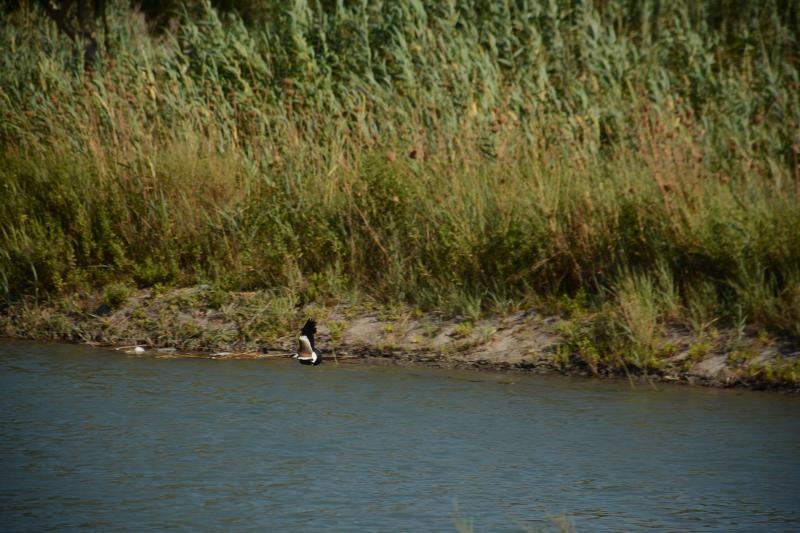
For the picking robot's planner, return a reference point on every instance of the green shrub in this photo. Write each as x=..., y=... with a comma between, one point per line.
x=116, y=294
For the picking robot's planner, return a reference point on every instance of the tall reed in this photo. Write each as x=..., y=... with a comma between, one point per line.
x=439, y=153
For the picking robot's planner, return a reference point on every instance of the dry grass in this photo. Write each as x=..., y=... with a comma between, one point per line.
x=448, y=156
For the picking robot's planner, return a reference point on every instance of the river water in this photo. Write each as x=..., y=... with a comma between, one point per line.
x=95, y=439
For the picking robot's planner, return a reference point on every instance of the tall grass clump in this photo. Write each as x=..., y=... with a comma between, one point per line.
x=440, y=153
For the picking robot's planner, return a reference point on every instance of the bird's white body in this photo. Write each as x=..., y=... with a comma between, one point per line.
x=306, y=353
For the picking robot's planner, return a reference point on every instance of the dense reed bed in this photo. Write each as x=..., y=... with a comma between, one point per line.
x=638, y=160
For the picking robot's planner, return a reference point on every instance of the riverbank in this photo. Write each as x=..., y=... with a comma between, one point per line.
x=447, y=157
x=258, y=324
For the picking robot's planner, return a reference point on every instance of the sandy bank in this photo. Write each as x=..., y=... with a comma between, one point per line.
x=203, y=320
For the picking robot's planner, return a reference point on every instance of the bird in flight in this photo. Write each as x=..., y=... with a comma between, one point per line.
x=306, y=353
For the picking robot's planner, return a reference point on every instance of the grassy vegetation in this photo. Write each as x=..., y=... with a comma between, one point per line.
x=636, y=161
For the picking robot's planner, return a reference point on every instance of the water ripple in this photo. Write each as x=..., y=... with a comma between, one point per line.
x=91, y=439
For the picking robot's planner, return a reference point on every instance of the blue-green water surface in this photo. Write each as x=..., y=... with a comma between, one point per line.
x=95, y=439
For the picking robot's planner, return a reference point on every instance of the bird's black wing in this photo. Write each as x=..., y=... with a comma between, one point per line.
x=309, y=330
